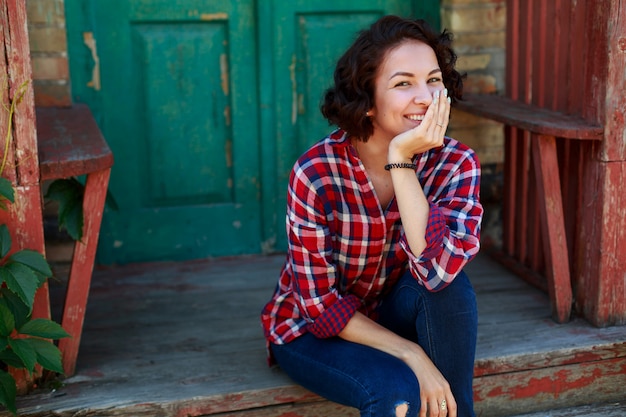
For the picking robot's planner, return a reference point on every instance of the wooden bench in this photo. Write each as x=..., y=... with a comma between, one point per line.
x=70, y=145
x=544, y=127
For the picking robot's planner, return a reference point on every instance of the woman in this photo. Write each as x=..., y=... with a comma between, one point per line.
x=372, y=308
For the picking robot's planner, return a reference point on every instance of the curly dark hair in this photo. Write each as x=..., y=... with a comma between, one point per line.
x=352, y=95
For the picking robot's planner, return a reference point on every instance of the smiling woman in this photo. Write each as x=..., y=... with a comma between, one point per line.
x=372, y=308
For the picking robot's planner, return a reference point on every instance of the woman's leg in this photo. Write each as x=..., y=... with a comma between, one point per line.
x=350, y=374
x=444, y=324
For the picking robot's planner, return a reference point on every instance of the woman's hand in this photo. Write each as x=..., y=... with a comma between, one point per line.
x=427, y=135
x=433, y=386
x=434, y=389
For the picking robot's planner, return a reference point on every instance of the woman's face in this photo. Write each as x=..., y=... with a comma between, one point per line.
x=404, y=88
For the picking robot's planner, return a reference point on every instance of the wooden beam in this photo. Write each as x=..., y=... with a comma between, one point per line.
x=552, y=226
x=529, y=117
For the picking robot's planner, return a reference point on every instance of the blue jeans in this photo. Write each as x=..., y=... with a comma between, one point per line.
x=443, y=323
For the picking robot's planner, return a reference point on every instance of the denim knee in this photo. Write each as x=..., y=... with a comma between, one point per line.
x=389, y=390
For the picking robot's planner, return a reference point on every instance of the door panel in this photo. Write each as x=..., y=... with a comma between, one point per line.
x=178, y=110
x=312, y=36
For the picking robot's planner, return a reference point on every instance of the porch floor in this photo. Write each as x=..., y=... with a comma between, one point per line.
x=184, y=339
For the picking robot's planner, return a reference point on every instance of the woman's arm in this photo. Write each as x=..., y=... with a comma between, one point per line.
x=412, y=203
x=433, y=386
x=442, y=235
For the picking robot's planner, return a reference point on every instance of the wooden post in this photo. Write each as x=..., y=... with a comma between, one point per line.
x=601, y=289
x=24, y=216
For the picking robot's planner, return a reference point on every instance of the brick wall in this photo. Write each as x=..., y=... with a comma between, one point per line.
x=48, y=46
x=479, y=28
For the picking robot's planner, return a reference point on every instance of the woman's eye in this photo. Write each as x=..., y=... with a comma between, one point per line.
x=402, y=84
x=434, y=80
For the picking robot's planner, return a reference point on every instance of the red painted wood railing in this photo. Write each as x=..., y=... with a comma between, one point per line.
x=555, y=113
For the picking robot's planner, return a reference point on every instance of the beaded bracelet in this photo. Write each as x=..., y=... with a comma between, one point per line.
x=400, y=165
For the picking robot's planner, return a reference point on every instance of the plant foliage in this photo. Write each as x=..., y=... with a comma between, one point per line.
x=24, y=342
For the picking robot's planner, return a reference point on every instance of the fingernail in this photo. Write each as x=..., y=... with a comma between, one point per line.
x=449, y=100
x=436, y=96
x=445, y=92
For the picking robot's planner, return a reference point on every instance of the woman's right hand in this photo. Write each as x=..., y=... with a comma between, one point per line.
x=434, y=388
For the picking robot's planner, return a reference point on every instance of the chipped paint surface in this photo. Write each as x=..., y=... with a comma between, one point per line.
x=224, y=73
x=90, y=42
x=213, y=16
x=294, y=90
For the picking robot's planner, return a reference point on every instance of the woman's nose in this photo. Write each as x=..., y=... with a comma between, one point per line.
x=423, y=95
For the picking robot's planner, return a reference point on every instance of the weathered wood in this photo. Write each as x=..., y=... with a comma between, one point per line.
x=601, y=285
x=529, y=117
x=18, y=57
x=185, y=339
x=552, y=226
x=24, y=216
x=565, y=80
x=506, y=394
x=601, y=291
x=613, y=409
x=70, y=142
x=81, y=270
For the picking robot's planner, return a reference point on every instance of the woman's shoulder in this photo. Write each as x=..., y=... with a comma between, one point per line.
x=325, y=152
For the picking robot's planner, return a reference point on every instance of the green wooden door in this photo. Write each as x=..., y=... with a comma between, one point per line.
x=206, y=104
x=309, y=37
x=177, y=104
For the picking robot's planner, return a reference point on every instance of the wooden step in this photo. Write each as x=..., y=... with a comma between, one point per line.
x=616, y=409
x=184, y=339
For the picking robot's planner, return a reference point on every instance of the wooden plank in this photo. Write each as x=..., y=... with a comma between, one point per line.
x=9, y=169
x=70, y=143
x=553, y=228
x=509, y=203
x=614, y=145
x=164, y=337
x=603, y=260
x=20, y=81
x=562, y=386
x=82, y=267
x=528, y=117
x=612, y=409
x=601, y=291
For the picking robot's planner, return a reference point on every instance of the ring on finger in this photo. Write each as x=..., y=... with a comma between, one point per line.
x=439, y=124
x=443, y=404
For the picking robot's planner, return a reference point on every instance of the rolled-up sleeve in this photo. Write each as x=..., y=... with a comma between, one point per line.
x=453, y=231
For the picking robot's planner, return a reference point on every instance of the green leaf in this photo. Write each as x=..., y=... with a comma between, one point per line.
x=4, y=342
x=20, y=310
x=7, y=321
x=5, y=241
x=48, y=355
x=34, y=260
x=6, y=189
x=10, y=358
x=8, y=391
x=24, y=349
x=21, y=280
x=43, y=328
x=69, y=194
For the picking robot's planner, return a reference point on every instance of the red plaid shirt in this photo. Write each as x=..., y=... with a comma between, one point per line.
x=345, y=251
